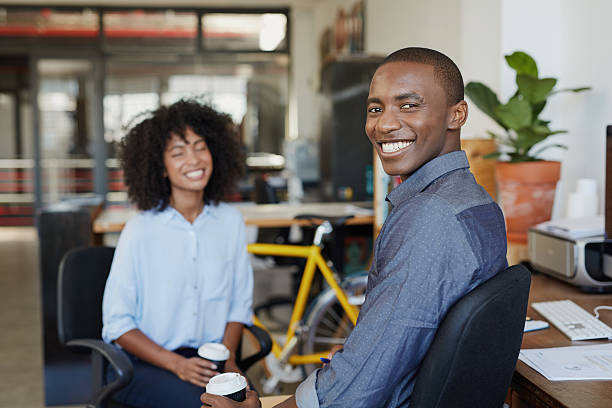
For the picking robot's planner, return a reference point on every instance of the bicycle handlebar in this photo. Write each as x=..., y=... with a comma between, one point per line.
x=326, y=227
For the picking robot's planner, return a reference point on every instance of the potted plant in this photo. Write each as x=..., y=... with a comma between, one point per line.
x=526, y=183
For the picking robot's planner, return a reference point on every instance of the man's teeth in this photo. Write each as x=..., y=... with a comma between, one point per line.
x=391, y=147
x=195, y=174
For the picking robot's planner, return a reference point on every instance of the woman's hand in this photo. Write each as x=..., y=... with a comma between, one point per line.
x=232, y=367
x=195, y=370
x=218, y=401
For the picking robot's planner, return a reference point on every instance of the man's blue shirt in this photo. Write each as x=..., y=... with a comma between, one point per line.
x=443, y=237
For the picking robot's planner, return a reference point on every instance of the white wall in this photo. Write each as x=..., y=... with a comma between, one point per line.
x=570, y=41
x=394, y=24
x=468, y=31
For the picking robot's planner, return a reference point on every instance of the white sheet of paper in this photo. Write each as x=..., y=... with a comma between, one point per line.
x=571, y=363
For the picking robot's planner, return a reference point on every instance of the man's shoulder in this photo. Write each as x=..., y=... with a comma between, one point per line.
x=459, y=190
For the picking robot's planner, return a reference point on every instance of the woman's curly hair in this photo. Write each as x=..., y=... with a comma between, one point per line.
x=142, y=152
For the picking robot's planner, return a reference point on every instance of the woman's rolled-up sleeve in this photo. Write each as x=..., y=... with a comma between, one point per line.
x=120, y=302
x=242, y=288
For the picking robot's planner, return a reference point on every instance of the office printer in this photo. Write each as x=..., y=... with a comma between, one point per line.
x=573, y=250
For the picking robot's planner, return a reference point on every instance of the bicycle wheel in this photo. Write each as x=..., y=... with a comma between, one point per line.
x=326, y=321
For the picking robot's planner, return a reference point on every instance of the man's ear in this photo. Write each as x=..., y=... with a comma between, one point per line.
x=458, y=115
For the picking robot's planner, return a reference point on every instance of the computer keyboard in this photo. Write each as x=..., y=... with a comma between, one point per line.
x=573, y=321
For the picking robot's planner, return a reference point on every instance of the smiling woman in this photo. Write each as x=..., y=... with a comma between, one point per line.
x=180, y=275
x=147, y=150
x=189, y=165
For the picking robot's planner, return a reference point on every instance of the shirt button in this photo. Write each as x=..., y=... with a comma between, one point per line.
x=191, y=232
x=193, y=259
x=195, y=314
x=195, y=287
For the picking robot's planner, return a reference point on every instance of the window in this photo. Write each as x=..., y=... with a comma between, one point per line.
x=245, y=32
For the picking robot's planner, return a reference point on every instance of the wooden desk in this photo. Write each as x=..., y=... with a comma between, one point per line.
x=269, y=402
x=262, y=215
x=531, y=389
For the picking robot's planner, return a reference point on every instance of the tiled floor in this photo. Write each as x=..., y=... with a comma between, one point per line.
x=21, y=379
x=21, y=383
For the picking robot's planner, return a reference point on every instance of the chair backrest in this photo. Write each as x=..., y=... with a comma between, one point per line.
x=473, y=355
x=81, y=281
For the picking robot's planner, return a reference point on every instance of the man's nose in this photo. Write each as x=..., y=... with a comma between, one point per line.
x=388, y=122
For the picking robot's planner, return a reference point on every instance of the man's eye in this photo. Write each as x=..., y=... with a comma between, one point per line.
x=374, y=109
x=178, y=154
x=409, y=105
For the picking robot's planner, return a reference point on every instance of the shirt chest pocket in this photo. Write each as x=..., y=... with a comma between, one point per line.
x=218, y=280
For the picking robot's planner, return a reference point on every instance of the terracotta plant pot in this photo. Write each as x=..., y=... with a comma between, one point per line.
x=526, y=192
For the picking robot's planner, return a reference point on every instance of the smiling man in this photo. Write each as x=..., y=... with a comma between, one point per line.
x=443, y=237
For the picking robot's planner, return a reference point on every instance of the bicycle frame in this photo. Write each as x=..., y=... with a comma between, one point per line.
x=314, y=260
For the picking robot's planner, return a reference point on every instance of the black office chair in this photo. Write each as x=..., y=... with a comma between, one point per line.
x=81, y=281
x=472, y=358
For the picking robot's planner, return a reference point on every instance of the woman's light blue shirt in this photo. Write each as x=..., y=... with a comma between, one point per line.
x=179, y=283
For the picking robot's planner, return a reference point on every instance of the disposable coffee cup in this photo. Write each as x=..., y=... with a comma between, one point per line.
x=215, y=353
x=230, y=385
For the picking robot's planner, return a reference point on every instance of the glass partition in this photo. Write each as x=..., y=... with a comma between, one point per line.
x=139, y=30
x=48, y=22
x=84, y=75
x=64, y=102
x=244, y=32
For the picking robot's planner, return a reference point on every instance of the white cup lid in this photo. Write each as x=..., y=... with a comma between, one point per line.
x=214, y=351
x=225, y=384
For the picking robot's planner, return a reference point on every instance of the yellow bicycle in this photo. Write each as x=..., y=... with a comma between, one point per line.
x=313, y=328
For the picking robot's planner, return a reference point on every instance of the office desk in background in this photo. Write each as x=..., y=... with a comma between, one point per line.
x=271, y=401
x=261, y=215
x=529, y=388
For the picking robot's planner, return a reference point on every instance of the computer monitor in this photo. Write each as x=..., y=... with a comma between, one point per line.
x=608, y=196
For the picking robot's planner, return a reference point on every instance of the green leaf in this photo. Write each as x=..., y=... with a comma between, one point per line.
x=516, y=114
x=536, y=109
x=539, y=151
x=545, y=131
x=493, y=155
x=575, y=90
x=522, y=63
x=521, y=157
x=485, y=99
x=533, y=89
x=540, y=122
x=527, y=137
x=499, y=139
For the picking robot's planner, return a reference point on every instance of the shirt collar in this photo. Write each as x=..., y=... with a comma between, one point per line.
x=426, y=174
x=171, y=213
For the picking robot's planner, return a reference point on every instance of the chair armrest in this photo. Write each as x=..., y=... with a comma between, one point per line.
x=117, y=358
x=265, y=345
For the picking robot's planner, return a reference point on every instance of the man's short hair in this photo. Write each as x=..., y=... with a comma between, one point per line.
x=445, y=70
